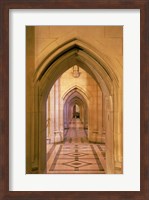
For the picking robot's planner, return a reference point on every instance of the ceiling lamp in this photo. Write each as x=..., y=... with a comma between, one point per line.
x=76, y=72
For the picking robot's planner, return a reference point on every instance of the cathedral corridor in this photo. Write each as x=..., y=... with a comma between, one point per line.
x=75, y=155
x=74, y=100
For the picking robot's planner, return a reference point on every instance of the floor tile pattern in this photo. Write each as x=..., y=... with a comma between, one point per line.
x=76, y=155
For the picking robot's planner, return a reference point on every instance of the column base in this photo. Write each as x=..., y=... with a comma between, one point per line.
x=58, y=137
x=97, y=137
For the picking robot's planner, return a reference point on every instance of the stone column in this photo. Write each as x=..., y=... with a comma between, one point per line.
x=103, y=113
x=109, y=135
x=57, y=131
x=61, y=112
x=100, y=137
x=56, y=105
x=47, y=113
x=118, y=133
x=51, y=134
x=92, y=120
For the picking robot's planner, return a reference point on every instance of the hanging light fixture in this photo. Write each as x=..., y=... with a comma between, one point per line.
x=76, y=72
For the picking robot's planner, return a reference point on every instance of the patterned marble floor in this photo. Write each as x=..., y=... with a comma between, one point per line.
x=76, y=155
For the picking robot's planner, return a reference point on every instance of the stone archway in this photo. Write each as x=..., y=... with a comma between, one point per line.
x=75, y=93
x=50, y=69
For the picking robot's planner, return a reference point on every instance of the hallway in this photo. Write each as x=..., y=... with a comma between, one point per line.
x=74, y=100
x=76, y=155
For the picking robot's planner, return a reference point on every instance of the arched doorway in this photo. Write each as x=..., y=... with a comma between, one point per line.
x=76, y=111
x=72, y=96
x=75, y=53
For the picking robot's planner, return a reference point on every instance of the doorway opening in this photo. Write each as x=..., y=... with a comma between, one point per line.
x=74, y=116
x=76, y=111
x=100, y=128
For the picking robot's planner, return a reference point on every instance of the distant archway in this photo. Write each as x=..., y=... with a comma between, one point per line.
x=76, y=111
x=75, y=94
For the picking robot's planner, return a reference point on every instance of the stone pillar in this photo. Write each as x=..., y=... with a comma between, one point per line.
x=96, y=117
x=56, y=105
x=57, y=132
x=82, y=116
x=31, y=109
x=103, y=114
x=61, y=112
x=47, y=119
x=65, y=116
x=118, y=133
x=49, y=111
x=100, y=138
x=93, y=120
x=109, y=135
x=51, y=134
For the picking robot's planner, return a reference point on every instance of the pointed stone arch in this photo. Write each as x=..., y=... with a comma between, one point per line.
x=72, y=93
x=76, y=88
x=52, y=66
